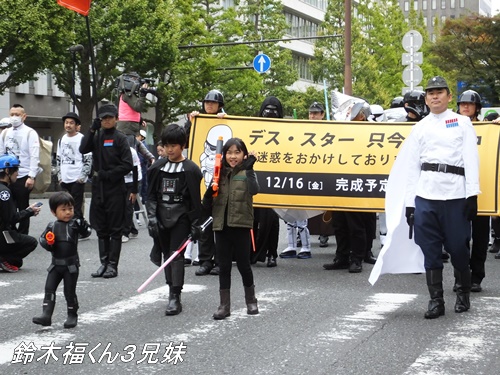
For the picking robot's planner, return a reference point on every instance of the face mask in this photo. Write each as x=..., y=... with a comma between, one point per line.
x=16, y=121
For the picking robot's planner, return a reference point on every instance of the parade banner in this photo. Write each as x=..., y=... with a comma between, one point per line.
x=328, y=165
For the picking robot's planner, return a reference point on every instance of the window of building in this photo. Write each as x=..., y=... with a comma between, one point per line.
x=462, y=3
x=415, y=5
x=443, y=19
x=443, y=4
x=301, y=64
x=228, y=4
x=320, y=4
x=425, y=21
x=300, y=27
x=424, y=4
x=452, y=4
x=433, y=4
x=407, y=6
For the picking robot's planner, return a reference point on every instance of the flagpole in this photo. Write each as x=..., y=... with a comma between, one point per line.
x=92, y=64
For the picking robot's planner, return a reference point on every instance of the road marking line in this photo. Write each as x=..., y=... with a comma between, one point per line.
x=377, y=308
x=475, y=334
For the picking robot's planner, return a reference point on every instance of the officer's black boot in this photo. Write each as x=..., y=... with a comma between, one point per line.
x=49, y=303
x=72, y=320
x=115, y=248
x=463, y=283
x=435, y=286
x=251, y=301
x=224, y=309
x=103, y=256
x=174, y=306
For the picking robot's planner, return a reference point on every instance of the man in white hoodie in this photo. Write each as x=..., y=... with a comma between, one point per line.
x=22, y=141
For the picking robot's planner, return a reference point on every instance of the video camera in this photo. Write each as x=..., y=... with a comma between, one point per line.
x=131, y=83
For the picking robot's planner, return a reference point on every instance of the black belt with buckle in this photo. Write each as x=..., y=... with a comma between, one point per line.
x=445, y=168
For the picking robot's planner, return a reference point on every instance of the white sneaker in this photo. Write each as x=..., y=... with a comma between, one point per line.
x=124, y=239
x=139, y=223
x=133, y=235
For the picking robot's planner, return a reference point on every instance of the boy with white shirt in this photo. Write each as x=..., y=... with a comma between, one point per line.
x=132, y=181
x=73, y=167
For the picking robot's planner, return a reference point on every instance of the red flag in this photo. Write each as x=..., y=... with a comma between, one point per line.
x=79, y=6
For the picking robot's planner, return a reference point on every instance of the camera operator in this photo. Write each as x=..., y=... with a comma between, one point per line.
x=132, y=102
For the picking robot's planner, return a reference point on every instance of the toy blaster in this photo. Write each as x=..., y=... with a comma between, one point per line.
x=217, y=166
x=50, y=238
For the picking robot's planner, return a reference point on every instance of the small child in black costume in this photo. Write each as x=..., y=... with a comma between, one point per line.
x=61, y=239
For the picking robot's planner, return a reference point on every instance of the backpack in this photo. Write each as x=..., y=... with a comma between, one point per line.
x=44, y=176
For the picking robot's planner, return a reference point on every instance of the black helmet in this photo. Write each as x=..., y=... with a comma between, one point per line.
x=398, y=101
x=470, y=96
x=415, y=103
x=215, y=96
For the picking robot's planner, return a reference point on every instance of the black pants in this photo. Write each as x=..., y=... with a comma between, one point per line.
x=76, y=190
x=206, y=247
x=266, y=235
x=54, y=278
x=480, y=239
x=14, y=253
x=170, y=240
x=351, y=234
x=234, y=243
x=107, y=213
x=128, y=226
x=21, y=196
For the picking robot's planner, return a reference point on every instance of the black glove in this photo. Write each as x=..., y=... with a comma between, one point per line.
x=249, y=162
x=153, y=228
x=209, y=193
x=96, y=124
x=410, y=213
x=195, y=231
x=471, y=207
x=103, y=175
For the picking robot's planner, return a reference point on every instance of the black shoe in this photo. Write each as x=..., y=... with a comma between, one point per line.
x=445, y=256
x=370, y=259
x=215, y=271
x=323, y=241
x=174, y=306
x=338, y=264
x=195, y=263
x=100, y=271
x=476, y=287
x=110, y=272
x=355, y=266
x=495, y=246
x=271, y=262
x=203, y=270
x=187, y=262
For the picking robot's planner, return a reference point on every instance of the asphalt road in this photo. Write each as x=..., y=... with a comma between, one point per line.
x=311, y=321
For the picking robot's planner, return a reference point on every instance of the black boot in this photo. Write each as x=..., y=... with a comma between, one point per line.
x=72, y=320
x=495, y=246
x=463, y=283
x=115, y=248
x=49, y=303
x=224, y=309
x=174, y=306
x=103, y=256
x=251, y=301
x=435, y=286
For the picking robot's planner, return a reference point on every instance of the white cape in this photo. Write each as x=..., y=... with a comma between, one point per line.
x=399, y=254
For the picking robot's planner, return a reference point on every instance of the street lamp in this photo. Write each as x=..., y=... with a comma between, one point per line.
x=74, y=49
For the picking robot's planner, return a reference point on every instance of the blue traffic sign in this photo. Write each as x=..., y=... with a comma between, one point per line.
x=261, y=63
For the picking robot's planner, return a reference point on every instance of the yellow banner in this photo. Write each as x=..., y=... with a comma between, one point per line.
x=328, y=165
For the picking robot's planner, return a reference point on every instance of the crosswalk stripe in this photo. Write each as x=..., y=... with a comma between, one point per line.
x=476, y=332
